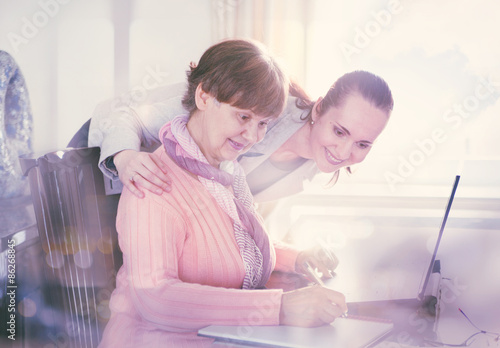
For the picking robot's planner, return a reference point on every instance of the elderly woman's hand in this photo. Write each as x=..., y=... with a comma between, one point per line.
x=318, y=258
x=311, y=307
x=142, y=169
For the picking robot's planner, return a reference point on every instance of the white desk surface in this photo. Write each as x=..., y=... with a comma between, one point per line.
x=470, y=266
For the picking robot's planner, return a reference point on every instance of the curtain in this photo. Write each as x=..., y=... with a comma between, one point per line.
x=281, y=25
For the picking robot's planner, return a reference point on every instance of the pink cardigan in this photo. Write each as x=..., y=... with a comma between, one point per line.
x=182, y=269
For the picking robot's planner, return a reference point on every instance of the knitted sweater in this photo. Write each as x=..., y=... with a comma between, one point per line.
x=182, y=269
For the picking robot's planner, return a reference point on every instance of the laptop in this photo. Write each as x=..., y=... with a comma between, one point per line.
x=342, y=333
x=413, y=310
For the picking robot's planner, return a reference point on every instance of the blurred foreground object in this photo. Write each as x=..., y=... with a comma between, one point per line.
x=16, y=127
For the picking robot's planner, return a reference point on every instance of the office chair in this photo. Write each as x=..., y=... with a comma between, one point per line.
x=76, y=225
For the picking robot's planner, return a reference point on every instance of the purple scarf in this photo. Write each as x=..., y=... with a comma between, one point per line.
x=250, y=235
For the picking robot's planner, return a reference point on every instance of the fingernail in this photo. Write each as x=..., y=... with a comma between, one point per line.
x=158, y=192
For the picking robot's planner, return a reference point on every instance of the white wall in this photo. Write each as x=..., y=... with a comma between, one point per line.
x=65, y=49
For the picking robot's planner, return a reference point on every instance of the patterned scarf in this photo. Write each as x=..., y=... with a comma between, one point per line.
x=251, y=237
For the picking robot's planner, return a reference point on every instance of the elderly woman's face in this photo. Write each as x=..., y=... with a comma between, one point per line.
x=229, y=131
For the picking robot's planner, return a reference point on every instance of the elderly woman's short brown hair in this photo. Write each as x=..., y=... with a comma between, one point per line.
x=240, y=73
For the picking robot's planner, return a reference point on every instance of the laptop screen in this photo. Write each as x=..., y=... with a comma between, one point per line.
x=443, y=224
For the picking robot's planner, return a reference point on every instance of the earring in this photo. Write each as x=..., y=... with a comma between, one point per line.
x=312, y=122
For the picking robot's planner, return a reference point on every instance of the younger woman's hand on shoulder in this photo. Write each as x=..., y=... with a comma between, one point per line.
x=142, y=170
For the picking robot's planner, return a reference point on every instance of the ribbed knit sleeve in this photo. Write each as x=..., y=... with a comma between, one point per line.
x=286, y=256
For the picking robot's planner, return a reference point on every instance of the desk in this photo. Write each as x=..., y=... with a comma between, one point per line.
x=399, y=237
x=403, y=232
x=473, y=269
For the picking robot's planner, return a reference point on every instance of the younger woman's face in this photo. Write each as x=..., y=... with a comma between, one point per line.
x=344, y=135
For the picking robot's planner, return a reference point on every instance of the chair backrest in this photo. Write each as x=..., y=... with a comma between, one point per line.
x=76, y=225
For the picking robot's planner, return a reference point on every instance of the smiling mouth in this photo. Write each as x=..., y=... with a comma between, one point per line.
x=237, y=146
x=331, y=159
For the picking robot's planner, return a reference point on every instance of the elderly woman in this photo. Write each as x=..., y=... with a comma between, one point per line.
x=199, y=255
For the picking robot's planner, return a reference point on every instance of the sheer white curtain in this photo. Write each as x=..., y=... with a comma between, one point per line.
x=279, y=24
